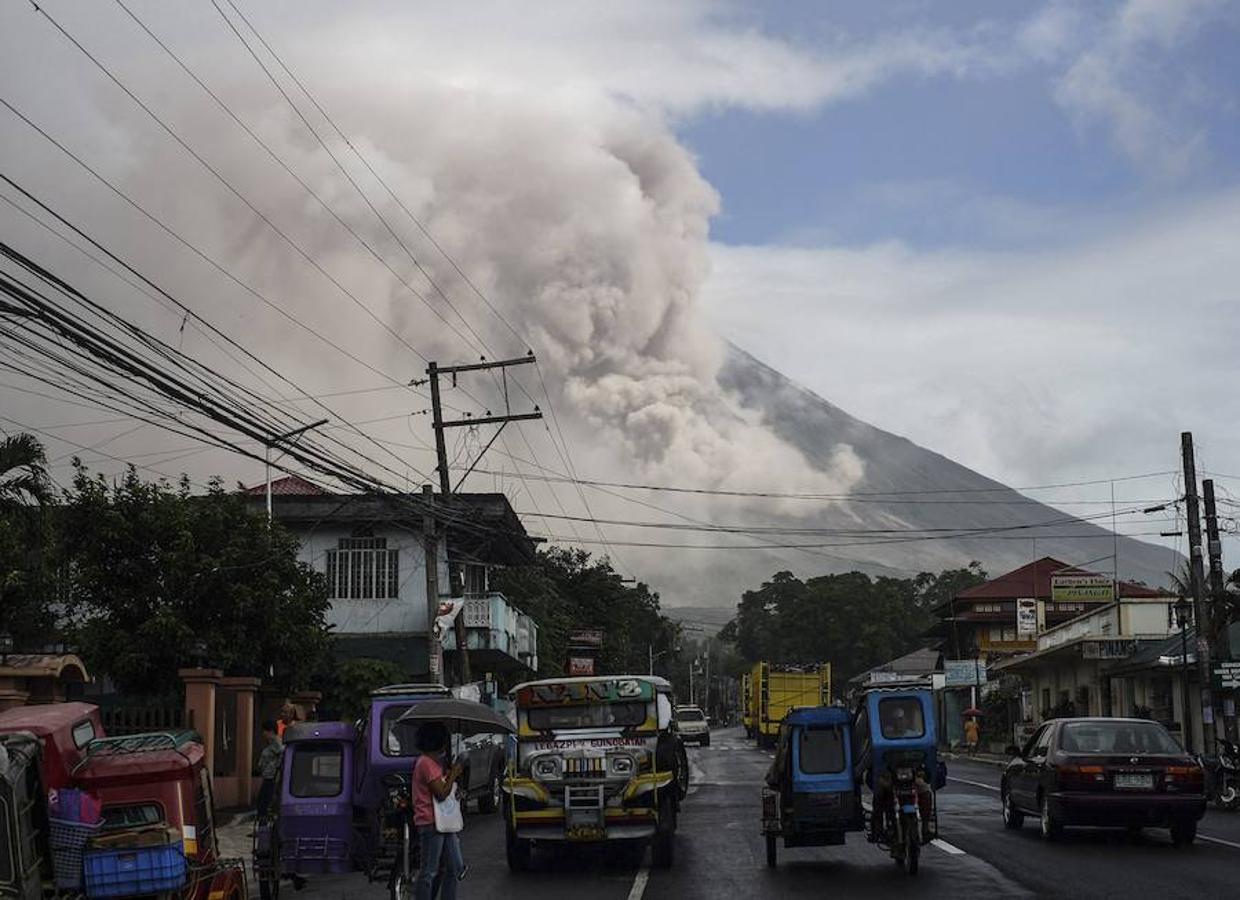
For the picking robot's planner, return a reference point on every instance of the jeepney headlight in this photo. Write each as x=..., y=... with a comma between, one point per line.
x=547, y=767
x=622, y=765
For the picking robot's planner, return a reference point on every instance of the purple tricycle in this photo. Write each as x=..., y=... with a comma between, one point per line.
x=343, y=797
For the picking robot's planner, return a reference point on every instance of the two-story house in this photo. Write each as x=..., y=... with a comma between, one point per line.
x=1003, y=616
x=372, y=550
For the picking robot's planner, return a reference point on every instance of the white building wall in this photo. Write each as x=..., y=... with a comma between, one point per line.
x=404, y=614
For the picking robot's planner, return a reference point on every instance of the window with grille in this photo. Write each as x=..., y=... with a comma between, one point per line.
x=363, y=568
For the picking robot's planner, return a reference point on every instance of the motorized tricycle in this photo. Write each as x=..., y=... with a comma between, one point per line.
x=896, y=755
x=154, y=830
x=343, y=797
x=594, y=759
x=811, y=798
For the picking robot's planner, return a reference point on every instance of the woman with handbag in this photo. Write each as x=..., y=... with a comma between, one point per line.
x=436, y=815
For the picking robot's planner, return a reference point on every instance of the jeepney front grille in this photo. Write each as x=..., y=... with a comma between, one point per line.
x=584, y=767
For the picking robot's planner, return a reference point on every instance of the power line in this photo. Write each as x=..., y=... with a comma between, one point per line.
x=564, y=455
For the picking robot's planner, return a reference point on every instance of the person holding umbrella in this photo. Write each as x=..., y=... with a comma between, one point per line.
x=430, y=783
x=437, y=719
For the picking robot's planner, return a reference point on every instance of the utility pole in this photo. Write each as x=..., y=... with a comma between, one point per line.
x=433, y=373
x=1214, y=552
x=430, y=545
x=1196, y=573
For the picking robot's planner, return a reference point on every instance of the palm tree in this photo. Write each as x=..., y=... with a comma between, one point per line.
x=23, y=471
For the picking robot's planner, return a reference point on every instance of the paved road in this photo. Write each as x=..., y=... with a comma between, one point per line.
x=720, y=853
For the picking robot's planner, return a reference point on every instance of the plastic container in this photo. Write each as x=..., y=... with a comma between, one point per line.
x=132, y=871
x=68, y=841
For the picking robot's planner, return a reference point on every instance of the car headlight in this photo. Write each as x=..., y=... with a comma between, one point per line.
x=547, y=767
x=622, y=765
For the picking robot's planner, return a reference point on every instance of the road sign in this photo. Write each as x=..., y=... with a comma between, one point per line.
x=1227, y=675
x=1077, y=588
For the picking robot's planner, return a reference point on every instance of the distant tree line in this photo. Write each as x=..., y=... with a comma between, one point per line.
x=851, y=620
x=569, y=589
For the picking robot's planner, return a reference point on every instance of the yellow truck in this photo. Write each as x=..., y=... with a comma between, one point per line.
x=747, y=704
x=773, y=690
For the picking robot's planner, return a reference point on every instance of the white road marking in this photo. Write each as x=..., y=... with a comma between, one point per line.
x=989, y=787
x=639, y=883
x=948, y=848
x=1214, y=840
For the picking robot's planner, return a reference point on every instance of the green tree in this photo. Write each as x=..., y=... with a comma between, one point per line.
x=23, y=471
x=568, y=589
x=26, y=573
x=352, y=682
x=851, y=620
x=156, y=569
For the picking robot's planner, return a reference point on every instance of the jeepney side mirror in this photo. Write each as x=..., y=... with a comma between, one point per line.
x=1012, y=750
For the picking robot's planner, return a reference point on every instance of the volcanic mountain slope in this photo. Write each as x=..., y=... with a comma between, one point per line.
x=894, y=464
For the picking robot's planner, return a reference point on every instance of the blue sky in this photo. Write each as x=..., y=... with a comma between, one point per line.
x=1007, y=231
x=924, y=159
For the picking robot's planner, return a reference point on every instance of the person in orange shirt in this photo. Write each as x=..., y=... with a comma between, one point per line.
x=971, y=733
x=288, y=716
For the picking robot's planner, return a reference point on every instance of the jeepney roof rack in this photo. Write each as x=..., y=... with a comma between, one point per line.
x=149, y=742
x=392, y=690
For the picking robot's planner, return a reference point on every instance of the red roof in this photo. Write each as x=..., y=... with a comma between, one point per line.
x=287, y=486
x=1034, y=580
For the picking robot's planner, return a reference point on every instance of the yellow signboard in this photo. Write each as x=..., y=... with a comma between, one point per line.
x=1078, y=588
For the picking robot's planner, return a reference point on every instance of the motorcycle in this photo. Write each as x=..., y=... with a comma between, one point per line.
x=1223, y=775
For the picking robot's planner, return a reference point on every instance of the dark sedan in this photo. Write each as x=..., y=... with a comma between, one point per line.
x=1128, y=773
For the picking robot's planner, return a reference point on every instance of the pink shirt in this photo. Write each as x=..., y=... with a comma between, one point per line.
x=425, y=770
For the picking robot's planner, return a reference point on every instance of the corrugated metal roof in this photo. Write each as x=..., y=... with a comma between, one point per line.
x=1034, y=580
x=287, y=486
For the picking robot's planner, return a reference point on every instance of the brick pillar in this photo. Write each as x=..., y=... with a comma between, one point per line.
x=246, y=690
x=200, y=685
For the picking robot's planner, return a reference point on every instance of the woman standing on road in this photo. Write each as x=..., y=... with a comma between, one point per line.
x=431, y=783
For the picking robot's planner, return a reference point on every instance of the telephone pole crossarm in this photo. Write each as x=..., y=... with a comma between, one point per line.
x=492, y=364
x=490, y=420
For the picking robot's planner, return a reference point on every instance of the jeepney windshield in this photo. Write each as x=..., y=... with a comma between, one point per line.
x=602, y=715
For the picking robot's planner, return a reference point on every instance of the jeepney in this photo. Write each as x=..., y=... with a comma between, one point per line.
x=594, y=759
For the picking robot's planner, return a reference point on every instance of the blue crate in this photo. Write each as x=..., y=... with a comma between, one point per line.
x=129, y=872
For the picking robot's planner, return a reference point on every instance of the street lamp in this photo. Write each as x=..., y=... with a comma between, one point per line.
x=653, y=656
x=6, y=647
x=198, y=651
x=280, y=438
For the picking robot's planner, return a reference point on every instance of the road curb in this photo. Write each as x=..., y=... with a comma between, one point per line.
x=987, y=760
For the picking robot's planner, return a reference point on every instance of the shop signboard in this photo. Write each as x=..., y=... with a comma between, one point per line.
x=1108, y=649
x=1079, y=588
x=963, y=672
x=1026, y=618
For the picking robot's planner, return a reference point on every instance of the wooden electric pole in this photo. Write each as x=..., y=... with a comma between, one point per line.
x=1196, y=573
x=430, y=547
x=1214, y=552
x=433, y=373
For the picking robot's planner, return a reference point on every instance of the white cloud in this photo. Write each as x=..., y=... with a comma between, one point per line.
x=1025, y=366
x=1119, y=78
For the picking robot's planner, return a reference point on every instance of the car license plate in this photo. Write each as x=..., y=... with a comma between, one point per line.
x=1134, y=781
